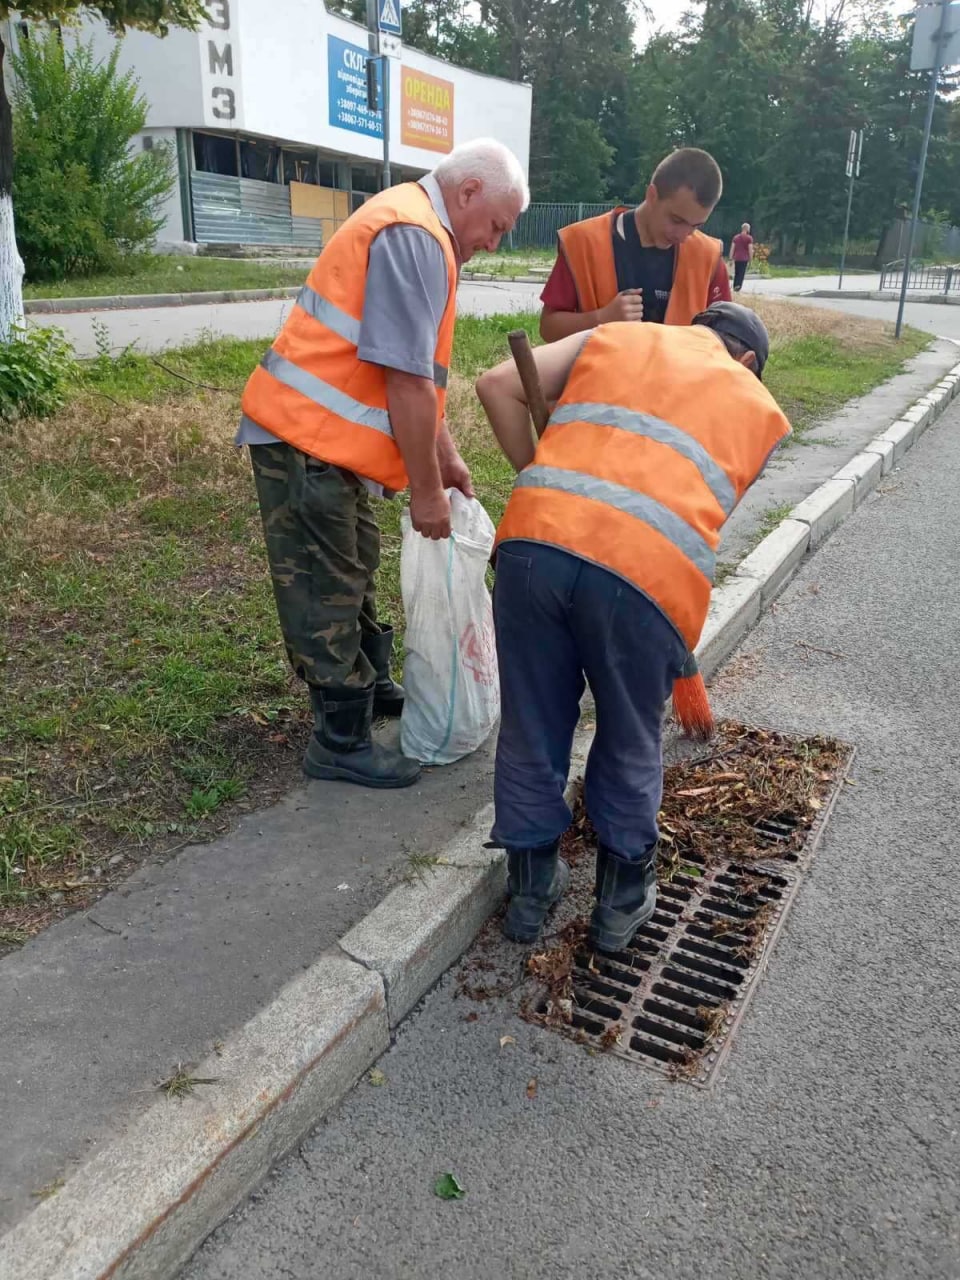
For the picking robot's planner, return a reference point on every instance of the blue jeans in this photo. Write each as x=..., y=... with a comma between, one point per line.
x=562, y=622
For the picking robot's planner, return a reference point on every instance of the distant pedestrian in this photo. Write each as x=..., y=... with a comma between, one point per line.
x=741, y=255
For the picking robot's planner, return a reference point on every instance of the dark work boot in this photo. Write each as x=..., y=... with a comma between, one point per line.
x=387, y=694
x=341, y=746
x=535, y=880
x=626, y=898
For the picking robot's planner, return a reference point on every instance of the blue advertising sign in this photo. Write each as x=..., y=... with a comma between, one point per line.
x=347, y=86
x=388, y=16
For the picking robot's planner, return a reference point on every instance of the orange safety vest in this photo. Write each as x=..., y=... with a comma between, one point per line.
x=311, y=389
x=657, y=436
x=588, y=249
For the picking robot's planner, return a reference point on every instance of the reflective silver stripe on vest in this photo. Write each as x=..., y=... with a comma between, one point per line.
x=344, y=326
x=321, y=393
x=645, y=424
x=651, y=512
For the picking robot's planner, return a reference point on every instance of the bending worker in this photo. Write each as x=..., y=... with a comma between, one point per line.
x=605, y=558
x=651, y=263
x=349, y=403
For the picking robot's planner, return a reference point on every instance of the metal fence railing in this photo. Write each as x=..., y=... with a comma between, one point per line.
x=921, y=278
x=538, y=225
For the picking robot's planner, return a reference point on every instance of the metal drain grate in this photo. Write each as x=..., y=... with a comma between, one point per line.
x=673, y=999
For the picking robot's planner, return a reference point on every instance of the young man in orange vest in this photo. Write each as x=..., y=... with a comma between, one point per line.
x=605, y=558
x=651, y=263
x=349, y=402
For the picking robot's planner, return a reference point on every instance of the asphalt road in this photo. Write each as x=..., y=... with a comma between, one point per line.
x=829, y=1147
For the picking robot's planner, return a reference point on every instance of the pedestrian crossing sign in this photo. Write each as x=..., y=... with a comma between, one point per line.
x=389, y=16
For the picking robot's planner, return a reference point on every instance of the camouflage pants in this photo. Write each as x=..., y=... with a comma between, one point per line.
x=323, y=546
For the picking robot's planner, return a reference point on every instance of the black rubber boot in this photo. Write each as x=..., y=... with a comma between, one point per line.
x=341, y=746
x=535, y=880
x=626, y=898
x=387, y=694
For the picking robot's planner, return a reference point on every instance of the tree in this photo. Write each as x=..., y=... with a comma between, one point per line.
x=575, y=53
x=156, y=16
x=82, y=195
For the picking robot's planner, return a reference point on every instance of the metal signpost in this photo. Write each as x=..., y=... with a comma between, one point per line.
x=384, y=24
x=854, y=152
x=936, y=44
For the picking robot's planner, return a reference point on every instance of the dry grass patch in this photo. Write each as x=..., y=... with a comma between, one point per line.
x=790, y=321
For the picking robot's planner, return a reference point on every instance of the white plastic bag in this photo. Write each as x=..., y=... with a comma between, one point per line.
x=450, y=671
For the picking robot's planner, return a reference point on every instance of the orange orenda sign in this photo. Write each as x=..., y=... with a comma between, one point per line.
x=427, y=116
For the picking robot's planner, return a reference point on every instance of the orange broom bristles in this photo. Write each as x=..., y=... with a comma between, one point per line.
x=691, y=706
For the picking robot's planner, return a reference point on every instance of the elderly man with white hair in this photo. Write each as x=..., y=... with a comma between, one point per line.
x=349, y=402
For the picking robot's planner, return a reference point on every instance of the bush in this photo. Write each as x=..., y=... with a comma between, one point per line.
x=82, y=199
x=36, y=369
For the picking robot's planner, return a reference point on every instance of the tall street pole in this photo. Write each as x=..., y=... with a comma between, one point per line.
x=928, y=125
x=375, y=55
x=385, y=71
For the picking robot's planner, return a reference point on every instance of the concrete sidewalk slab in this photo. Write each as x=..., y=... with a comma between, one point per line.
x=144, y=1204
x=734, y=609
x=190, y=949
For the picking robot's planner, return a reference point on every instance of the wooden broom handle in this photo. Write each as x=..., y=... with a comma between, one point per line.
x=527, y=368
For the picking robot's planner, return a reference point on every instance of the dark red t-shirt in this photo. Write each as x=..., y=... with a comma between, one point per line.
x=741, y=247
x=560, y=291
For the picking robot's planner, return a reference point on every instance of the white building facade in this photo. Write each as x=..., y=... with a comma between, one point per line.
x=266, y=108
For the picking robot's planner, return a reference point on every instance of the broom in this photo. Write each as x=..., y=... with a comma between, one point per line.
x=691, y=705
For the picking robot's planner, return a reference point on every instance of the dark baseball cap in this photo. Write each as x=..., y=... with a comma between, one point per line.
x=740, y=323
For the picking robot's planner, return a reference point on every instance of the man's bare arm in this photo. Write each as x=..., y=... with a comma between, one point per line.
x=501, y=394
x=412, y=405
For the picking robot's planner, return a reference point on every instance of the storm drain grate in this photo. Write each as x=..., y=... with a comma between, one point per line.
x=674, y=998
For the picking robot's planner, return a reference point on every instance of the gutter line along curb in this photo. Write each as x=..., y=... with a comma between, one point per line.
x=145, y=301
x=140, y=1208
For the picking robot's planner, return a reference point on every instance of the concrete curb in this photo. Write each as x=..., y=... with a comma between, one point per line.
x=421, y=928
x=141, y=301
x=142, y=1206
x=875, y=295
x=488, y=277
